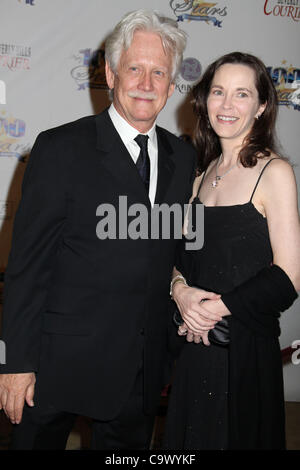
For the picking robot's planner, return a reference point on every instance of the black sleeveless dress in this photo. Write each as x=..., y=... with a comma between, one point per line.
x=236, y=246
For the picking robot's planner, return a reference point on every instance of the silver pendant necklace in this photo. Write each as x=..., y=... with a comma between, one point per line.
x=218, y=177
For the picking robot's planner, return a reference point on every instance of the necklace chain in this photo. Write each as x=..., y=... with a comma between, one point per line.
x=218, y=177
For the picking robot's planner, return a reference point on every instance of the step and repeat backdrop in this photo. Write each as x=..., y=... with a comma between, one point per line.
x=52, y=72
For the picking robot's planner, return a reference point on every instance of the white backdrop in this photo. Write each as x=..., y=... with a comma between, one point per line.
x=51, y=65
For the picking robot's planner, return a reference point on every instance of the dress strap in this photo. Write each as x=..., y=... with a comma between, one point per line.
x=260, y=175
x=201, y=182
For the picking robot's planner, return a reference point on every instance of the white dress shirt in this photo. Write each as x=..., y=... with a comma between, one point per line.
x=128, y=134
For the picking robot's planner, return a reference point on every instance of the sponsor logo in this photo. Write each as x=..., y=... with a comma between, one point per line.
x=90, y=69
x=190, y=73
x=11, y=132
x=287, y=83
x=191, y=69
x=2, y=92
x=199, y=10
x=283, y=8
x=14, y=57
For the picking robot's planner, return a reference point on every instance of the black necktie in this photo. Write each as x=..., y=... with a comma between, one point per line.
x=143, y=161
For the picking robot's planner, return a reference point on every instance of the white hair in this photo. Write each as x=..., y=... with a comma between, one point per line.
x=173, y=38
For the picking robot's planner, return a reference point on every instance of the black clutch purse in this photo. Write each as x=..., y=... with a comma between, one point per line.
x=218, y=335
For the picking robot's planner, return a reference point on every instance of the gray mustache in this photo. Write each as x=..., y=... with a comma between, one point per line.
x=142, y=95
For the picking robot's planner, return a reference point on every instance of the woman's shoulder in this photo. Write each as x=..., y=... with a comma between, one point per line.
x=276, y=166
x=278, y=172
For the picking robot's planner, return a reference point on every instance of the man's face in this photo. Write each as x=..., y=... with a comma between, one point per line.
x=142, y=83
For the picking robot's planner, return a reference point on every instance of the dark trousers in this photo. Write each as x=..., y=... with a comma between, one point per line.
x=47, y=428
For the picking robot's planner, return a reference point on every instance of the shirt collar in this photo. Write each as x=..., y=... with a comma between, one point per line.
x=125, y=130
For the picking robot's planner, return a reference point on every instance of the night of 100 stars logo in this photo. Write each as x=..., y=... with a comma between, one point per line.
x=199, y=10
x=90, y=69
x=287, y=83
x=12, y=131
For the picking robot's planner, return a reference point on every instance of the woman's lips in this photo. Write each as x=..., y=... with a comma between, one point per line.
x=226, y=119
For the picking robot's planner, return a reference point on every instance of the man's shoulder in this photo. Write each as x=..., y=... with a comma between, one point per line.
x=84, y=127
x=178, y=144
x=72, y=129
x=174, y=139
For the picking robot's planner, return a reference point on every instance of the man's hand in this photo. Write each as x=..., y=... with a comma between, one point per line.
x=14, y=390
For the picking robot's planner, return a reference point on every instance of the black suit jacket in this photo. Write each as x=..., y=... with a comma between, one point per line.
x=80, y=311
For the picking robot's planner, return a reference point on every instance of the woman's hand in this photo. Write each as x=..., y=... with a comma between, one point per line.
x=198, y=335
x=192, y=336
x=189, y=301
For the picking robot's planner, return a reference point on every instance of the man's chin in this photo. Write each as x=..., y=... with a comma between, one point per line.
x=144, y=117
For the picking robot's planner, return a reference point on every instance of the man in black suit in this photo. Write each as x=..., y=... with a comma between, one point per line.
x=85, y=317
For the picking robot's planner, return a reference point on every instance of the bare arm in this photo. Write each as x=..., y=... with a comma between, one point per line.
x=278, y=194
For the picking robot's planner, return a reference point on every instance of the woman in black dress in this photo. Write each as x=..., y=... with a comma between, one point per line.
x=231, y=396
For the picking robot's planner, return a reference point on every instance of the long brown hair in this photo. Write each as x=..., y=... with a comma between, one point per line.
x=261, y=139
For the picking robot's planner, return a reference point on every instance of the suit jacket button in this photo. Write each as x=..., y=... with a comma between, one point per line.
x=142, y=331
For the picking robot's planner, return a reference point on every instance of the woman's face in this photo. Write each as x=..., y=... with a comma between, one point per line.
x=232, y=103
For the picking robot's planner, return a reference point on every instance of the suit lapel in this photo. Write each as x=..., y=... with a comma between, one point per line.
x=166, y=166
x=117, y=160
